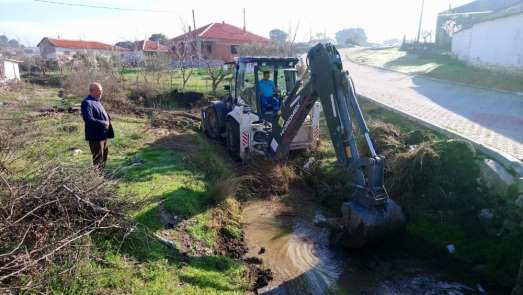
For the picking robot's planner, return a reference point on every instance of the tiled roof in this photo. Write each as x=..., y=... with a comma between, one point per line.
x=148, y=45
x=78, y=44
x=223, y=31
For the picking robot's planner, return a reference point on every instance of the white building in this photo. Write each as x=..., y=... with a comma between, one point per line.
x=55, y=48
x=143, y=49
x=9, y=70
x=496, y=40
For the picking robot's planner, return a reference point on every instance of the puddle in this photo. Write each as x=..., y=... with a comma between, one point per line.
x=302, y=262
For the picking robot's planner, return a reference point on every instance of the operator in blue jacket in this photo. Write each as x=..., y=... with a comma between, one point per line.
x=267, y=93
x=98, y=126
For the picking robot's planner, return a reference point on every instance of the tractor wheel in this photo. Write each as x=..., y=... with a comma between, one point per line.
x=211, y=123
x=232, y=137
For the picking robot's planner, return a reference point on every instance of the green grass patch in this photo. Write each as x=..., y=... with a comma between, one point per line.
x=441, y=66
x=201, y=230
x=200, y=80
x=206, y=275
x=145, y=172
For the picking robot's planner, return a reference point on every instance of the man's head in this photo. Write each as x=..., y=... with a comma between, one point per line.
x=266, y=75
x=95, y=90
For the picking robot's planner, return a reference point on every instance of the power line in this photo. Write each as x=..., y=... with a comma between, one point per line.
x=102, y=7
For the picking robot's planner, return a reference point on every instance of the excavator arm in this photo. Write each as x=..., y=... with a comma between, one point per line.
x=370, y=214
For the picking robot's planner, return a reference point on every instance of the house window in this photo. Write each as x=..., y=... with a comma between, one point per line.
x=208, y=47
x=234, y=49
x=67, y=52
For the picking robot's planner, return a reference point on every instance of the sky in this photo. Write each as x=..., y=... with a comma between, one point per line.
x=29, y=21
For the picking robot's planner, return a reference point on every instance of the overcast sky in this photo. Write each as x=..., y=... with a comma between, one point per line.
x=30, y=20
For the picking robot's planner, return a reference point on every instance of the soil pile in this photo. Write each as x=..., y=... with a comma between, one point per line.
x=269, y=178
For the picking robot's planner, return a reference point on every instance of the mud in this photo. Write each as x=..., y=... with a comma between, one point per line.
x=51, y=111
x=178, y=121
x=298, y=253
x=175, y=233
x=231, y=246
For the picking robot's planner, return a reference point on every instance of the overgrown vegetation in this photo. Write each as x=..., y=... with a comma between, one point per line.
x=440, y=66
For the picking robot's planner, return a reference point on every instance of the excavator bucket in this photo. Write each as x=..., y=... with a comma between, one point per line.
x=364, y=225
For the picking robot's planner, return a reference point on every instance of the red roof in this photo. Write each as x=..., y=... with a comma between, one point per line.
x=78, y=44
x=148, y=45
x=223, y=31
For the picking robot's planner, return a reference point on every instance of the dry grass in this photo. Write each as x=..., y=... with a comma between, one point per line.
x=6, y=148
x=269, y=178
x=386, y=137
x=224, y=189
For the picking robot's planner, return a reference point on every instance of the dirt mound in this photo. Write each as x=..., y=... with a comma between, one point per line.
x=179, y=121
x=231, y=245
x=263, y=277
x=49, y=111
x=386, y=138
x=269, y=178
x=189, y=99
x=149, y=97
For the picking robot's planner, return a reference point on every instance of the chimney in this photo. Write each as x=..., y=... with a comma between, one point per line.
x=189, y=29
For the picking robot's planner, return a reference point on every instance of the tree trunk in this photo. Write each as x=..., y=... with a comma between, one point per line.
x=214, y=87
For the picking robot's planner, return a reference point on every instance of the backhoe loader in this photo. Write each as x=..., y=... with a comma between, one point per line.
x=250, y=128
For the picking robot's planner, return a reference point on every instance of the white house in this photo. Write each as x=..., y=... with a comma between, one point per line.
x=496, y=40
x=143, y=49
x=9, y=70
x=55, y=48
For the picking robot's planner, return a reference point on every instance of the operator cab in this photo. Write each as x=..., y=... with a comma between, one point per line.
x=247, y=87
x=245, y=117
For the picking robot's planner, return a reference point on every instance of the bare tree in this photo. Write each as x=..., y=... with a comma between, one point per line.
x=185, y=51
x=156, y=64
x=217, y=74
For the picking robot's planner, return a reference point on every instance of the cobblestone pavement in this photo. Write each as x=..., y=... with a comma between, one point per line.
x=489, y=117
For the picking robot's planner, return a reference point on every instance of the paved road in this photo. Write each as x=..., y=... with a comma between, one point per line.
x=489, y=117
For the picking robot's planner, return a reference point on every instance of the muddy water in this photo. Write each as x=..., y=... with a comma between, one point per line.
x=298, y=253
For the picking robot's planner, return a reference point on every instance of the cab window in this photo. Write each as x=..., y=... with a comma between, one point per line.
x=246, y=86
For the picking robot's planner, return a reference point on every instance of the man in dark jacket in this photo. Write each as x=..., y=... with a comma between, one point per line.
x=97, y=125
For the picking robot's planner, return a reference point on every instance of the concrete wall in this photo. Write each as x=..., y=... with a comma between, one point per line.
x=9, y=71
x=498, y=42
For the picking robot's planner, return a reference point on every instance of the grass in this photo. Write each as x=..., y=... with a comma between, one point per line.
x=439, y=66
x=146, y=173
x=200, y=80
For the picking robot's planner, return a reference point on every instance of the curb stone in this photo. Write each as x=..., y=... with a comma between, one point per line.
x=509, y=162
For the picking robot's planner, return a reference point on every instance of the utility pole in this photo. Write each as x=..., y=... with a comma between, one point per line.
x=420, y=20
x=193, y=20
x=244, y=24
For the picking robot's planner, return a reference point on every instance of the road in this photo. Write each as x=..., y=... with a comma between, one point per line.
x=489, y=117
